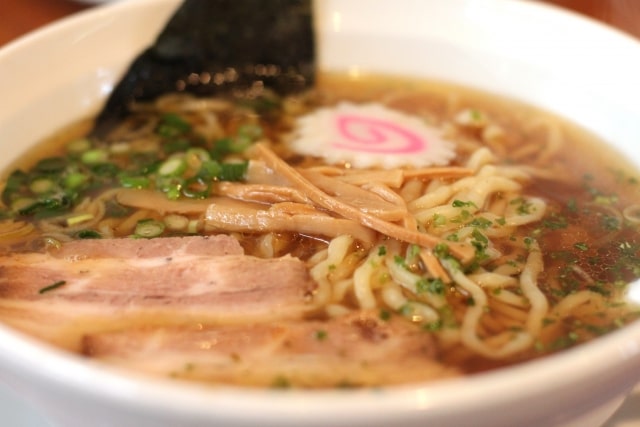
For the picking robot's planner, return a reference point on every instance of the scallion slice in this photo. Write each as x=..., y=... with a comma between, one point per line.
x=148, y=228
x=42, y=185
x=174, y=166
x=95, y=156
x=78, y=146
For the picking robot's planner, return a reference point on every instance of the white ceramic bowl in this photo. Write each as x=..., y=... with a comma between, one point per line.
x=563, y=63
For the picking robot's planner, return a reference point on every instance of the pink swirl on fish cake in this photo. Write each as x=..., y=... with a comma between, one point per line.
x=372, y=135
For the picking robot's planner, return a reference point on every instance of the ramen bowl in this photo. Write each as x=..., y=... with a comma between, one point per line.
x=552, y=59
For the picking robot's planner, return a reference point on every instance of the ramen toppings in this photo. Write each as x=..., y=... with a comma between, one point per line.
x=433, y=221
x=370, y=135
x=350, y=351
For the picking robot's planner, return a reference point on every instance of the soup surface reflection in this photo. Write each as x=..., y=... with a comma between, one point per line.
x=371, y=232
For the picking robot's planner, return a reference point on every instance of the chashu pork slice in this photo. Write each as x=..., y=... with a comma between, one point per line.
x=93, y=285
x=354, y=350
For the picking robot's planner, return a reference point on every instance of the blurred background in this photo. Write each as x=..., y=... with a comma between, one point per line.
x=18, y=17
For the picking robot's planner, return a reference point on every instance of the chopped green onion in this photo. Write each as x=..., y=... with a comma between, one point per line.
x=148, y=228
x=78, y=146
x=199, y=153
x=42, y=185
x=251, y=131
x=51, y=165
x=460, y=204
x=15, y=181
x=22, y=203
x=226, y=146
x=175, y=166
x=106, y=170
x=134, y=182
x=196, y=188
x=176, y=145
x=94, y=156
x=210, y=170
x=172, y=125
x=88, y=234
x=221, y=148
x=51, y=205
x=233, y=171
x=75, y=180
x=172, y=186
x=193, y=227
x=173, y=193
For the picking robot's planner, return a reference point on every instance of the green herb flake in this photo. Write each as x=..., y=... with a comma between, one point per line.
x=281, y=382
x=321, y=335
x=439, y=220
x=52, y=286
x=172, y=125
x=414, y=251
x=480, y=222
x=405, y=310
x=538, y=346
x=480, y=242
x=400, y=261
x=441, y=250
x=88, y=234
x=548, y=321
x=385, y=314
x=476, y=115
x=453, y=237
x=433, y=326
x=610, y=223
x=606, y=200
x=581, y=246
x=528, y=241
x=464, y=216
x=432, y=286
x=460, y=204
x=524, y=207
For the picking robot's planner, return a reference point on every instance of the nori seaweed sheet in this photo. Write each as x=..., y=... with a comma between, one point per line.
x=209, y=37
